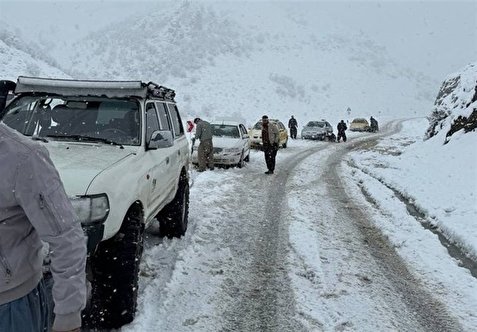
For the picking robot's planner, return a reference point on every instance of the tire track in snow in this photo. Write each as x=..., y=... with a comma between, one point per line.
x=431, y=314
x=265, y=300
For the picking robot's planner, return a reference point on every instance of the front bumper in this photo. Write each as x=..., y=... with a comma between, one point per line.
x=221, y=159
x=315, y=136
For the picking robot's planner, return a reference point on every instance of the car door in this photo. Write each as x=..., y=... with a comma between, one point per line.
x=181, y=157
x=160, y=163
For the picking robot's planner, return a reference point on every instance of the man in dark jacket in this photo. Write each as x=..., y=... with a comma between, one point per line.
x=374, y=125
x=34, y=207
x=205, y=153
x=341, y=131
x=293, y=126
x=270, y=140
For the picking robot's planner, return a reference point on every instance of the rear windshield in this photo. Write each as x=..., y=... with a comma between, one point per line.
x=63, y=118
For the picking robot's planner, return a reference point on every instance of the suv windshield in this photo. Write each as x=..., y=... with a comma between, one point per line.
x=225, y=131
x=74, y=118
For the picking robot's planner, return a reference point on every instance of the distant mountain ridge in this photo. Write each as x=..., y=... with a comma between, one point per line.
x=231, y=59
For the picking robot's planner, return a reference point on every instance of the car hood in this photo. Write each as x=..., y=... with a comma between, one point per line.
x=79, y=163
x=227, y=142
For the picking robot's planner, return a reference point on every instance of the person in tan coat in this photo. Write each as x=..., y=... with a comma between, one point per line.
x=270, y=140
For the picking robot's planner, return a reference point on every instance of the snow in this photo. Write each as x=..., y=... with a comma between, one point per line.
x=226, y=60
x=441, y=180
x=183, y=281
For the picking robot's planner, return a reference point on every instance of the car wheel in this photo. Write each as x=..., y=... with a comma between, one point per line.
x=173, y=218
x=241, y=163
x=247, y=158
x=115, y=270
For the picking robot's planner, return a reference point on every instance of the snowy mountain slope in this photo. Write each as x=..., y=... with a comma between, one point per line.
x=254, y=58
x=18, y=57
x=456, y=104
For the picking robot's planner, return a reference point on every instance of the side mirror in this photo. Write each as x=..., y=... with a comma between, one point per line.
x=160, y=139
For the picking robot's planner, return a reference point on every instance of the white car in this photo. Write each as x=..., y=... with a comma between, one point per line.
x=231, y=144
x=123, y=157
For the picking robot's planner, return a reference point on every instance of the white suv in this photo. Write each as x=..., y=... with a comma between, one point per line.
x=123, y=157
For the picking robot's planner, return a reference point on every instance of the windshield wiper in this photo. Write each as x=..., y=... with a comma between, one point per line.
x=88, y=139
x=39, y=138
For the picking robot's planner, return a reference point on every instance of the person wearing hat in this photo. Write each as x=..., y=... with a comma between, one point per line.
x=270, y=140
x=203, y=132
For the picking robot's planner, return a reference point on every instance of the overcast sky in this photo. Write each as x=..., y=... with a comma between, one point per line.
x=434, y=37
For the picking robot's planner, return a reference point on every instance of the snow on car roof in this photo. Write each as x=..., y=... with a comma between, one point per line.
x=66, y=87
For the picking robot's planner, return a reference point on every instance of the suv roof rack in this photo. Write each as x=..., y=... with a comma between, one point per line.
x=159, y=91
x=110, y=89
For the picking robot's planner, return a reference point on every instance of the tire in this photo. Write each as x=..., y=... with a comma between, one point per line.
x=115, y=272
x=247, y=158
x=241, y=162
x=174, y=216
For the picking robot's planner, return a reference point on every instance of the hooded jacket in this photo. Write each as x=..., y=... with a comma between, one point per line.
x=35, y=207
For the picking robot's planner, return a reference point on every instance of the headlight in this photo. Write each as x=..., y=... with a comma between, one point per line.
x=91, y=209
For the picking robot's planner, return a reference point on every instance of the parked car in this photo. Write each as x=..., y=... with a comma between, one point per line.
x=317, y=130
x=359, y=124
x=121, y=152
x=231, y=144
x=256, y=134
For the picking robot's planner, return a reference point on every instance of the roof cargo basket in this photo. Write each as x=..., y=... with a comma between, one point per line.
x=160, y=91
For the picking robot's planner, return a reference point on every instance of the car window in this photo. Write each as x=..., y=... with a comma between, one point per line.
x=243, y=129
x=220, y=130
x=258, y=125
x=315, y=124
x=152, y=122
x=68, y=118
x=164, y=120
x=176, y=120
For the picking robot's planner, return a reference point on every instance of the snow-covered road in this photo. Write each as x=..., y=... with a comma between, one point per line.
x=301, y=250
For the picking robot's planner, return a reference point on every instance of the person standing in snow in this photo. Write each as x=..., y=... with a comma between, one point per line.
x=270, y=140
x=293, y=126
x=33, y=208
x=341, y=131
x=374, y=124
x=203, y=132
